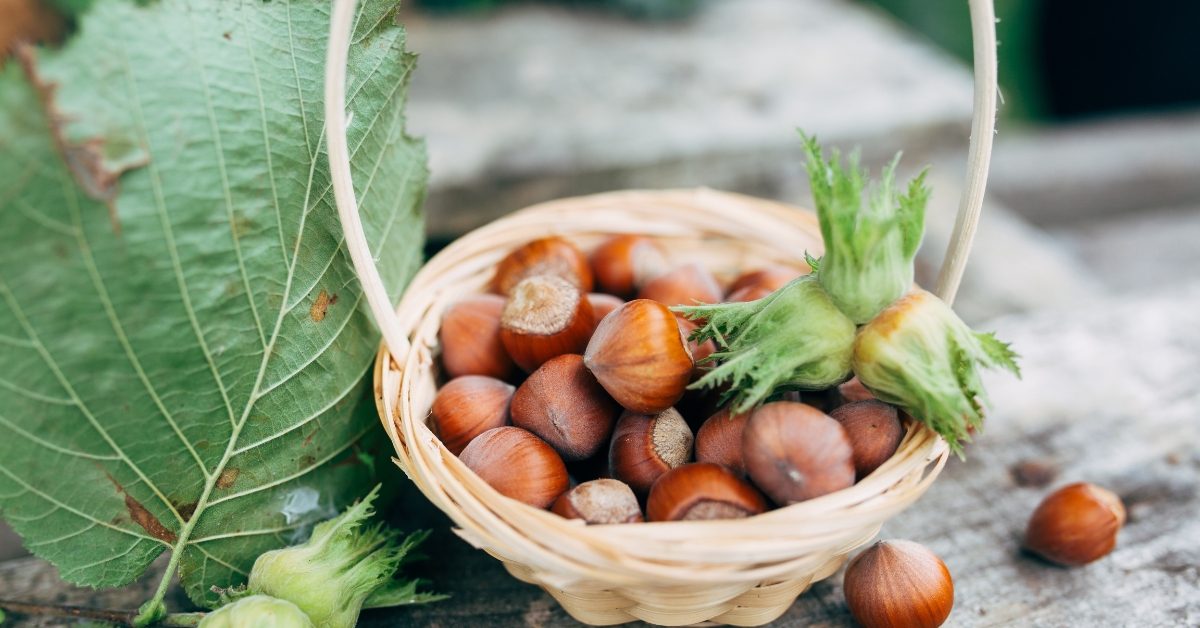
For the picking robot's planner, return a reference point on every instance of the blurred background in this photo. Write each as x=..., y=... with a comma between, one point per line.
x=1094, y=194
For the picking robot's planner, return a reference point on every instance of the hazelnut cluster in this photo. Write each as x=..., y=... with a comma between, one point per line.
x=579, y=401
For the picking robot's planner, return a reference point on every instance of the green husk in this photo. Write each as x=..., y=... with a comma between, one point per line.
x=794, y=338
x=347, y=564
x=869, y=249
x=257, y=611
x=917, y=354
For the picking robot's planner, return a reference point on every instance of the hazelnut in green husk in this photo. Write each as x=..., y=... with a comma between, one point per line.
x=917, y=354
x=257, y=611
x=793, y=338
x=346, y=565
x=870, y=237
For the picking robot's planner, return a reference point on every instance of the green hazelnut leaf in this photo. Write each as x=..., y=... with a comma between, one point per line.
x=185, y=342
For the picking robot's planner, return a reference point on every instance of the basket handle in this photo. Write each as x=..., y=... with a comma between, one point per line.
x=983, y=123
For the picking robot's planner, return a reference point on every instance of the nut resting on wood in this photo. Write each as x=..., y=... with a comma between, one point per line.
x=898, y=584
x=1075, y=525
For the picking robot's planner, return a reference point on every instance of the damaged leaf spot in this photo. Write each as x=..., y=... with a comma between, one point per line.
x=228, y=477
x=95, y=174
x=321, y=306
x=143, y=517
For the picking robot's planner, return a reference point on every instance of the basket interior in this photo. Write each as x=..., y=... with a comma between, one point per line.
x=728, y=234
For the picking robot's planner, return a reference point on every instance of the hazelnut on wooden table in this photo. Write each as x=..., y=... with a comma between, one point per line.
x=1075, y=525
x=899, y=584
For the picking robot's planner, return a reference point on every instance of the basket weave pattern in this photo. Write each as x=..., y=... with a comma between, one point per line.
x=742, y=572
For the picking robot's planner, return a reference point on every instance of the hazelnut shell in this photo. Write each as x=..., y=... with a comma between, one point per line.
x=468, y=406
x=545, y=317
x=1075, y=525
x=689, y=284
x=768, y=278
x=518, y=465
x=545, y=256
x=794, y=452
x=898, y=583
x=470, y=338
x=645, y=446
x=719, y=440
x=874, y=430
x=599, y=502
x=640, y=357
x=623, y=263
x=699, y=491
x=603, y=304
x=563, y=404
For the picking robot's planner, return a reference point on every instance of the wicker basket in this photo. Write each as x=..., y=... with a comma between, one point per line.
x=742, y=572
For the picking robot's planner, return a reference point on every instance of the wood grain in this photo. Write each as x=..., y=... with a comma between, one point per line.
x=1111, y=395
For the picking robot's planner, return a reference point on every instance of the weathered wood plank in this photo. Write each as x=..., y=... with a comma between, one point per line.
x=1111, y=395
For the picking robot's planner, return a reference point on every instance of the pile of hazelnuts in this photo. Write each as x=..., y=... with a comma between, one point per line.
x=563, y=394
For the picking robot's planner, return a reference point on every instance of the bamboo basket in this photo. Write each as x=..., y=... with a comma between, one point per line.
x=742, y=572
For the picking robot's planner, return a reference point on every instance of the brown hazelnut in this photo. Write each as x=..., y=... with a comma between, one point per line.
x=545, y=317
x=1075, y=525
x=874, y=430
x=468, y=406
x=853, y=390
x=599, y=501
x=687, y=285
x=602, y=304
x=546, y=256
x=470, y=338
x=640, y=356
x=624, y=262
x=702, y=490
x=518, y=465
x=899, y=584
x=719, y=440
x=758, y=283
x=645, y=446
x=795, y=452
x=700, y=350
x=563, y=404
x=747, y=294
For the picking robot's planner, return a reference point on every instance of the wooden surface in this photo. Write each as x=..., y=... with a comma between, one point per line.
x=1111, y=395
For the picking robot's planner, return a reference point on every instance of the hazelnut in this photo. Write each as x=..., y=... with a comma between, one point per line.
x=640, y=356
x=719, y=440
x=599, y=501
x=874, y=430
x=563, y=404
x=853, y=390
x=545, y=317
x=898, y=584
x=770, y=278
x=1075, y=525
x=795, y=452
x=624, y=262
x=546, y=256
x=645, y=446
x=687, y=285
x=470, y=338
x=518, y=465
x=747, y=294
x=700, y=350
x=602, y=304
x=468, y=406
x=702, y=490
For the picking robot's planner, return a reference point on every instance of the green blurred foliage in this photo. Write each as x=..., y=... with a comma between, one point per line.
x=948, y=24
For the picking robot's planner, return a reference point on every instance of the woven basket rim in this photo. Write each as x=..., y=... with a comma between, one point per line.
x=579, y=552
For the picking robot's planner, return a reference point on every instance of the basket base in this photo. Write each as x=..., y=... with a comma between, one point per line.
x=732, y=605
